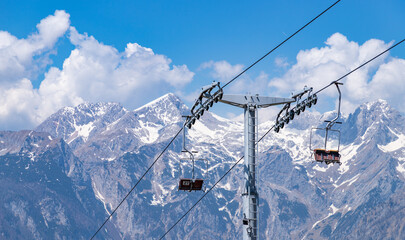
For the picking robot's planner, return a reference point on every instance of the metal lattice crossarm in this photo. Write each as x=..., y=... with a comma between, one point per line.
x=205, y=101
x=300, y=105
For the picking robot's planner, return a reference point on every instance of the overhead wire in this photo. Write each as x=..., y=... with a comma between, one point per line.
x=230, y=81
x=233, y=166
x=272, y=50
x=360, y=66
x=213, y=186
x=205, y=194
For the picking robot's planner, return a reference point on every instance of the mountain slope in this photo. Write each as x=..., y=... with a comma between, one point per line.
x=299, y=199
x=76, y=125
x=44, y=194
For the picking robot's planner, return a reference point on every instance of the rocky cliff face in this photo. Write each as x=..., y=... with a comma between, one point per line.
x=99, y=151
x=45, y=194
x=76, y=125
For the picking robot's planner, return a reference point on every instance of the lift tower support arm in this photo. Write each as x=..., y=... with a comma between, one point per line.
x=250, y=196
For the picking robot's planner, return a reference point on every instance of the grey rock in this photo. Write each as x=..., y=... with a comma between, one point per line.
x=299, y=199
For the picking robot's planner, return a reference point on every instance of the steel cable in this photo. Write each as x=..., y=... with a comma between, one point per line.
x=233, y=166
x=230, y=81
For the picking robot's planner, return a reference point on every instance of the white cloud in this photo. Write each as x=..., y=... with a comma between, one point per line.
x=50, y=29
x=93, y=72
x=317, y=67
x=17, y=105
x=17, y=55
x=21, y=59
x=97, y=72
x=389, y=83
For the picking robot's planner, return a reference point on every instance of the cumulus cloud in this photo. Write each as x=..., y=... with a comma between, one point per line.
x=21, y=59
x=17, y=105
x=98, y=72
x=93, y=72
x=317, y=67
x=382, y=78
x=389, y=83
x=17, y=55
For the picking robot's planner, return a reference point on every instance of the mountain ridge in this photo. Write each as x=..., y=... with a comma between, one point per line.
x=303, y=200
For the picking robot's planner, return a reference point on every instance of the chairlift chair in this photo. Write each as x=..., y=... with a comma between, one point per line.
x=331, y=156
x=324, y=154
x=191, y=184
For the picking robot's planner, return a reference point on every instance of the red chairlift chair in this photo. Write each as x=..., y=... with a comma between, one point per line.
x=331, y=156
x=323, y=154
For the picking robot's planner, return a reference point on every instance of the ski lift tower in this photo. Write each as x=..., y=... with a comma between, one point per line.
x=250, y=196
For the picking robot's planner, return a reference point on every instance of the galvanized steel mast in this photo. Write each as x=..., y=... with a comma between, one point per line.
x=250, y=195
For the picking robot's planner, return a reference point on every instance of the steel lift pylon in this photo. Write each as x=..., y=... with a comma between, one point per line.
x=250, y=195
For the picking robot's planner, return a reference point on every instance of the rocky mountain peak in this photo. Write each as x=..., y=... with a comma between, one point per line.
x=77, y=124
x=167, y=108
x=167, y=98
x=151, y=123
x=373, y=117
x=89, y=109
x=377, y=110
x=379, y=103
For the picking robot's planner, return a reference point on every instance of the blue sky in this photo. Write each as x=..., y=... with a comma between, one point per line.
x=182, y=45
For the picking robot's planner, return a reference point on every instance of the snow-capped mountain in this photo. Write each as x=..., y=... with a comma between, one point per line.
x=103, y=149
x=44, y=194
x=76, y=125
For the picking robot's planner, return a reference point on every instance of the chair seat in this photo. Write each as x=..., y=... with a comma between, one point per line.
x=187, y=184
